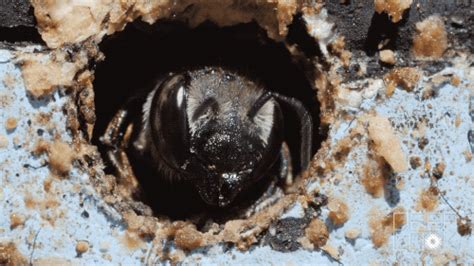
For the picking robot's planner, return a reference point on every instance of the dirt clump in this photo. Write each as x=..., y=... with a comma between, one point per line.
x=386, y=143
x=406, y=77
x=431, y=39
x=382, y=226
x=317, y=233
x=394, y=8
x=338, y=211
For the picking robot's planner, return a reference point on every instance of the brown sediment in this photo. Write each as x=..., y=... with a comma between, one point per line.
x=406, y=77
x=352, y=233
x=430, y=39
x=429, y=199
x=11, y=123
x=464, y=226
x=317, y=233
x=3, y=141
x=188, y=238
x=373, y=176
x=16, y=220
x=338, y=211
x=394, y=8
x=9, y=81
x=9, y=255
x=382, y=226
x=43, y=73
x=438, y=171
x=61, y=156
x=415, y=162
x=82, y=247
x=74, y=23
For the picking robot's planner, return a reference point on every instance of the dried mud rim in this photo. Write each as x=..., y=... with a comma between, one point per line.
x=243, y=232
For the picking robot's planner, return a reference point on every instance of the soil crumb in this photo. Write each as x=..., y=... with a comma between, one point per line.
x=464, y=226
x=44, y=73
x=9, y=81
x=60, y=156
x=82, y=247
x=3, y=141
x=429, y=199
x=188, y=238
x=382, y=226
x=317, y=233
x=386, y=143
x=406, y=77
x=394, y=8
x=373, y=177
x=352, y=233
x=388, y=56
x=9, y=255
x=430, y=39
x=11, y=124
x=338, y=211
x=16, y=220
x=438, y=171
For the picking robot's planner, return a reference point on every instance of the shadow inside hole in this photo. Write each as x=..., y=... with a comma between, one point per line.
x=383, y=29
x=141, y=53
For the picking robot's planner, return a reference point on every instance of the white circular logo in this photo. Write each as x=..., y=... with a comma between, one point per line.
x=432, y=241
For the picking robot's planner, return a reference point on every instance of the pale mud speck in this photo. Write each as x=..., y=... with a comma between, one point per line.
x=387, y=56
x=387, y=144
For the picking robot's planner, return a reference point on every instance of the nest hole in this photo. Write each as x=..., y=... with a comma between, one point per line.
x=135, y=57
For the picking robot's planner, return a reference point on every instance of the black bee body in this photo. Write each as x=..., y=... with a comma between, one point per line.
x=212, y=128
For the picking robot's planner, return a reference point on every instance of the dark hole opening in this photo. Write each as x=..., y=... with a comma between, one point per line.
x=136, y=56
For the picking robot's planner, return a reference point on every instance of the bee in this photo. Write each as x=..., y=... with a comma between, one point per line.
x=212, y=128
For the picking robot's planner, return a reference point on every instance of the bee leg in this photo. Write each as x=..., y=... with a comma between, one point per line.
x=286, y=171
x=274, y=190
x=115, y=142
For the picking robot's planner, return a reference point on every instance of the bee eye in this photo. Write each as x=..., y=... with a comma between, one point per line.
x=169, y=122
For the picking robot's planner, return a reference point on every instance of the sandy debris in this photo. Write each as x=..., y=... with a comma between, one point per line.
x=406, y=77
x=9, y=80
x=382, y=226
x=338, y=211
x=467, y=155
x=61, y=156
x=9, y=255
x=331, y=251
x=82, y=247
x=430, y=39
x=387, y=56
x=464, y=226
x=438, y=171
x=394, y=8
x=44, y=73
x=16, y=220
x=373, y=176
x=352, y=233
x=429, y=199
x=11, y=124
x=3, y=141
x=188, y=238
x=317, y=233
x=386, y=143
x=60, y=23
